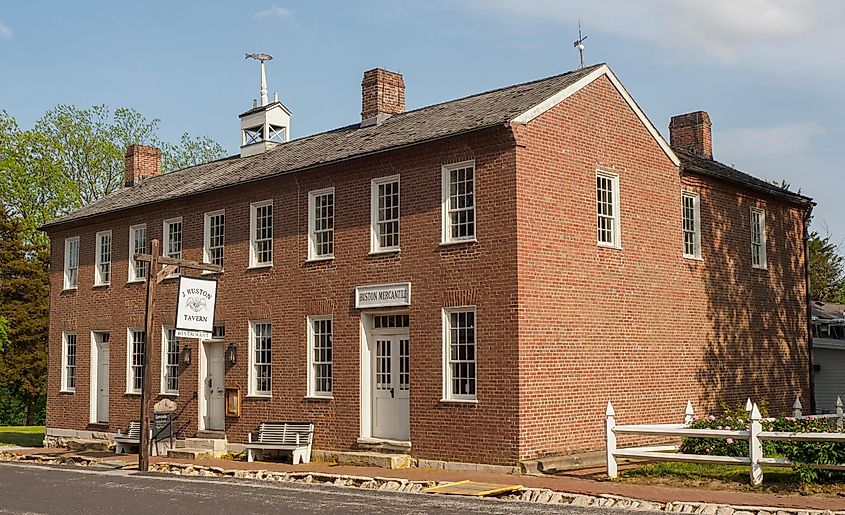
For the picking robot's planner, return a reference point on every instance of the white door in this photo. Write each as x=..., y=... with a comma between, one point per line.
x=214, y=387
x=103, y=378
x=391, y=393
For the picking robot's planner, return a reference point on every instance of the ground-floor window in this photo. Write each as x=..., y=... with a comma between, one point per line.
x=260, y=352
x=459, y=353
x=169, y=362
x=320, y=356
x=135, y=360
x=69, y=362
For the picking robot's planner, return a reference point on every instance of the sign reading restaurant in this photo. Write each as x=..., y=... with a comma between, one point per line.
x=383, y=295
x=195, y=307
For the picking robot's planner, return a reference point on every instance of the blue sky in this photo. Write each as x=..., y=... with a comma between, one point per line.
x=769, y=72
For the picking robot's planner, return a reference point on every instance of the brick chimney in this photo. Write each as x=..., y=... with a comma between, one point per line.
x=141, y=162
x=692, y=131
x=382, y=95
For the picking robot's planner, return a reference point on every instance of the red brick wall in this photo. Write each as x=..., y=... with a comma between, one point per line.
x=641, y=326
x=483, y=273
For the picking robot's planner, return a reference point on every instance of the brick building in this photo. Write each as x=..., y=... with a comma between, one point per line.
x=472, y=280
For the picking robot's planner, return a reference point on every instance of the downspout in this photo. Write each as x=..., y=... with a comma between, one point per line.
x=807, y=216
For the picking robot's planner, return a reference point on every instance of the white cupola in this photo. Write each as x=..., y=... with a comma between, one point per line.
x=267, y=124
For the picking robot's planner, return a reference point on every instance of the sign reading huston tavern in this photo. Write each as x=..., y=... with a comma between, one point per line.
x=195, y=307
x=383, y=295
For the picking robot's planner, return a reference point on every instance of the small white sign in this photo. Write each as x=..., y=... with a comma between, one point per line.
x=195, y=306
x=383, y=295
x=199, y=335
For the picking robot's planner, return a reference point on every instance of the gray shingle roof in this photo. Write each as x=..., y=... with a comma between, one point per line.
x=704, y=166
x=438, y=121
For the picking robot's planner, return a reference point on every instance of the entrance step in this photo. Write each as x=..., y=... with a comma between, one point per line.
x=192, y=454
x=215, y=435
x=211, y=444
x=380, y=445
x=365, y=459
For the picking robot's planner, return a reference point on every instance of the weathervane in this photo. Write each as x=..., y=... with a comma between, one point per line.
x=579, y=44
x=262, y=58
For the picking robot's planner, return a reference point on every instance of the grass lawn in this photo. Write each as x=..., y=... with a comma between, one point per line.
x=725, y=477
x=26, y=436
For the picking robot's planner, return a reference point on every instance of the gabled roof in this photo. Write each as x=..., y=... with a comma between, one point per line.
x=828, y=311
x=472, y=113
x=701, y=165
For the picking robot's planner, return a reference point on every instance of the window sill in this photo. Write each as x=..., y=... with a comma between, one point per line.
x=100, y=286
x=383, y=252
x=211, y=272
x=759, y=267
x=136, y=281
x=459, y=401
x=132, y=393
x=609, y=246
x=693, y=258
x=319, y=259
x=70, y=289
x=260, y=267
x=458, y=242
x=168, y=394
x=259, y=396
x=67, y=391
x=318, y=398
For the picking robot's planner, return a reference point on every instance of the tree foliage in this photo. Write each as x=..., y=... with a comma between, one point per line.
x=827, y=270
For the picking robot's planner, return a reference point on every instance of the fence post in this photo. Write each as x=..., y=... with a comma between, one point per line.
x=688, y=413
x=755, y=447
x=839, y=414
x=748, y=405
x=610, y=423
x=796, y=408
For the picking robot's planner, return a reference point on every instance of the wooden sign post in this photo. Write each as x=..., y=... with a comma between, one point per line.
x=154, y=277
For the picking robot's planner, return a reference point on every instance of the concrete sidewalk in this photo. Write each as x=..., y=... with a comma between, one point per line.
x=567, y=484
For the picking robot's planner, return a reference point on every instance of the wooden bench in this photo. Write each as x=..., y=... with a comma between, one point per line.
x=282, y=436
x=122, y=442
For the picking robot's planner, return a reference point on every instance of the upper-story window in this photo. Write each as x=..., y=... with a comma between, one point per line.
x=173, y=239
x=253, y=135
x=214, y=235
x=169, y=361
x=68, y=362
x=71, y=263
x=137, y=245
x=458, y=202
x=261, y=234
x=607, y=209
x=758, y=238
x=102, y=272
x=691, y=214
x=384, y=207
x=276, y=133
x=321, y=224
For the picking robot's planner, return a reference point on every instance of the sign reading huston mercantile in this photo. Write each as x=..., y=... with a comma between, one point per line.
x=383, y=295
x=195, y=307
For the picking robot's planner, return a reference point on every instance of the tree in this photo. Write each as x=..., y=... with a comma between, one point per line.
x=189, y=152
x=24, y=304
x=827, y=270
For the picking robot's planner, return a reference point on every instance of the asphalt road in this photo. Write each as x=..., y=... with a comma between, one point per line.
x=29, y=489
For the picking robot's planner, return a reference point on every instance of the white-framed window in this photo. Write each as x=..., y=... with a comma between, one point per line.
x=71, y=281
x=136, y=339
x=607, y=209
x=137, y=245
x=758, y=238
x=169, y=361
x=261, y=233
x=458, y=202
x=320, y=356
x=102, y=270
x=173, y=240
x=214, y=235
x=68, y=362
x=459, y=353
x=260, y=358
x=384, y=214
x=321, y=224
x=691, y=216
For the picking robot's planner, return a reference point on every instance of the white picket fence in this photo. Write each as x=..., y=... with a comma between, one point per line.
x=754, y=434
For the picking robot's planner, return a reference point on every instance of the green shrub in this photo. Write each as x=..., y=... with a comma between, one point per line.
x=801, y=454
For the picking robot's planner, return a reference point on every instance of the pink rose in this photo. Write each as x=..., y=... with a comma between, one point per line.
x=727, y=428
x=729, y=441
x=711, y=418
x=718, y=427
x=695, y=418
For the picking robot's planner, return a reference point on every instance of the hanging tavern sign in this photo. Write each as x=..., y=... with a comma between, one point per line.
x=195, y=307
x=383, y=295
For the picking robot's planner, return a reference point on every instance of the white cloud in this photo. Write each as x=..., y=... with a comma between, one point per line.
x=775, y=31
x=6, y=32
x=275, y=12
